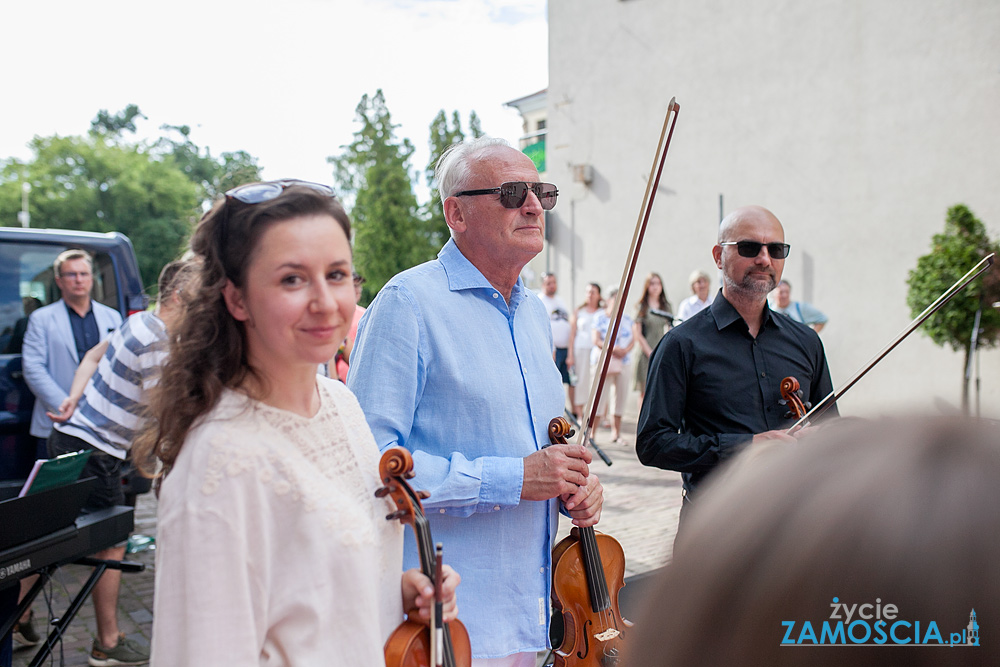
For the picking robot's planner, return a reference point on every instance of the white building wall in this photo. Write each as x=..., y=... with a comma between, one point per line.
x=857, y=122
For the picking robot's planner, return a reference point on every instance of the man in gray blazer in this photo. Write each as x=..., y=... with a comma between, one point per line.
x=58, y=336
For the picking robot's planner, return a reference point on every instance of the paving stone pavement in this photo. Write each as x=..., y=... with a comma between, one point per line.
x=640, y=511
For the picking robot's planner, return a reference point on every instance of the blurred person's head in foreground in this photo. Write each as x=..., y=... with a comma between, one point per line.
x=853, y=536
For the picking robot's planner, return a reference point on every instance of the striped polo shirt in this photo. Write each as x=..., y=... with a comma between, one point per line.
x=109, y=412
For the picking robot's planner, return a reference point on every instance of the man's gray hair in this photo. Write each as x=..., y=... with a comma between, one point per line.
x=454, y=167
x=69, y=255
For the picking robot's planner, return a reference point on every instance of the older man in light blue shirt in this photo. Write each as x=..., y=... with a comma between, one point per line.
x=453, y=361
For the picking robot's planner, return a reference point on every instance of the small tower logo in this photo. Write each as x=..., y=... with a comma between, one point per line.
x=972, y=637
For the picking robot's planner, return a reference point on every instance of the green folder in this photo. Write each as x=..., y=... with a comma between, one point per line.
x=50, y=473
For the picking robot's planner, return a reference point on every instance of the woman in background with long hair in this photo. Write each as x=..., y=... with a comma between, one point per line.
x=653, y=319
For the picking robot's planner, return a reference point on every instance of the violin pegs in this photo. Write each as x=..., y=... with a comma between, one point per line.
x=423, y=495
x=382, y=492
x=398, y=514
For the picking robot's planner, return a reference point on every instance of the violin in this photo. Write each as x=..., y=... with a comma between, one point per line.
x=582, y=565
x=414, y=644
x=791, y=395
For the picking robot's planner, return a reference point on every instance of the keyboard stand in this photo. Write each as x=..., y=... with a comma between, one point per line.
x=98, y=531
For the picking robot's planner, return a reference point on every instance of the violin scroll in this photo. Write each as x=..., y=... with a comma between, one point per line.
x=396, y=462
x=395, y=467
x=560, y=431
x=791, y=396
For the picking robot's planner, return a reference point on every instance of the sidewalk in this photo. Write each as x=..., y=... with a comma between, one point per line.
x=640, y=510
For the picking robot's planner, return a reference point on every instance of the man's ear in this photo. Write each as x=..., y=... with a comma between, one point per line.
x=717, y=255
x=454, y=214
x=234, y=302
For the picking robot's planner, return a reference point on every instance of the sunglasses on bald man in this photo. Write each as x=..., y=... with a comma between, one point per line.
x=514, y=194
x=752, y=248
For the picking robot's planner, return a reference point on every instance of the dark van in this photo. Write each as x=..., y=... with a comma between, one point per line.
x=26, y=283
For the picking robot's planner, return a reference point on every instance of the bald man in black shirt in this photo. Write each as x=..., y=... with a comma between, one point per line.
x=714, y=381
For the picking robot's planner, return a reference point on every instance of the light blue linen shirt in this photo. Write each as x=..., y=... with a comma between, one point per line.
x=443, y=366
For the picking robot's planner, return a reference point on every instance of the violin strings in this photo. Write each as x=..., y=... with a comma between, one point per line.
x=599, y=568
x=602, y=581
x=608, y=611
x=592, y=558
x=600, y=598
x=422, y=529
x=424, y=541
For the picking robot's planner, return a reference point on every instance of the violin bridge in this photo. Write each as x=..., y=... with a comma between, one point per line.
x=607, y=635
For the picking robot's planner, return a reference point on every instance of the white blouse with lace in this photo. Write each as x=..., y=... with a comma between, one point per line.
x=271, y=546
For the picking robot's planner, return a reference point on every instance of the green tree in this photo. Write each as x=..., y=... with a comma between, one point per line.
x=213, y=175
x=443, y=135
x=87, y=183
x=475, y=127
x=114, y=126
x=373, y=171
x=961, y=246
x=237, y=168
x=151, y=192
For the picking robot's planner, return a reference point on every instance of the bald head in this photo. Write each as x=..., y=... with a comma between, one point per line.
x=747, y=218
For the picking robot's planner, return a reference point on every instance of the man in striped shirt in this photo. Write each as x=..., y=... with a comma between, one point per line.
x=103, y=414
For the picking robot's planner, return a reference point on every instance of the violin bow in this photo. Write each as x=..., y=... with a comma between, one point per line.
x=832, y=397
x=633, y=255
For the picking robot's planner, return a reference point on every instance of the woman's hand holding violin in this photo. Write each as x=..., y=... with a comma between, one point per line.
x=418, y=594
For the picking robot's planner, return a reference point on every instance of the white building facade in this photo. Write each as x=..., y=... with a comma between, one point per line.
x=858, y=123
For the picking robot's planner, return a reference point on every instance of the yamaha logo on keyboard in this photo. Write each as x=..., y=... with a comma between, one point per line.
x=14, y=568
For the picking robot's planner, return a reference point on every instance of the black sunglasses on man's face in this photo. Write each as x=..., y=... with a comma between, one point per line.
x=514, y=194
x=752, y=248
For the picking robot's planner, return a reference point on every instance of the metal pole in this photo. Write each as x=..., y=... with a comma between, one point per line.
x=23, y=216
x=973, y=346
x=572, y=252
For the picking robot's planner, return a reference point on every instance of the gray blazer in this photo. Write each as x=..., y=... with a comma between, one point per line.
x=49, y=357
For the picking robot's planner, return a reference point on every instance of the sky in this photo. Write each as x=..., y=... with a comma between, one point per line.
x=278, y=80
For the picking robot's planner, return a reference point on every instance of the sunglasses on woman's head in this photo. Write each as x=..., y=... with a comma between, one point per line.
x=255, y=193
x=514, y=194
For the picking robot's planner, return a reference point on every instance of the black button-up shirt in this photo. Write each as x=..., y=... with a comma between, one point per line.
x=85, y=332
x=712, y=386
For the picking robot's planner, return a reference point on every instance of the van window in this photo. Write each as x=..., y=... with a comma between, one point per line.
x=27, y=283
